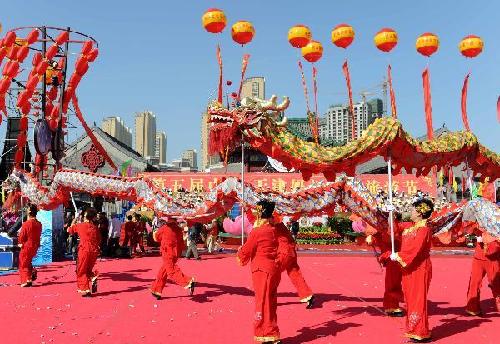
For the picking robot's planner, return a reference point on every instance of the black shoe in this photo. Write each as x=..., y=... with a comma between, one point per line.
x=34, y=275
x=94, y=286
x=26, y=285
x=310, y=303
x=87, y=294
x=156, y=295
x=191, y=288
x=199, y=258
x=423, y=340
x=396, y=314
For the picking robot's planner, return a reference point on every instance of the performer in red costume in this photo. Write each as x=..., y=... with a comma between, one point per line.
x=88, y=251
x=172, y=244
x=414, y=258
x=288, y=257
x=486, y=261
x=29, y=241
x=393, y=293
x=261, y=249
x=127, y=233
x=138, y=234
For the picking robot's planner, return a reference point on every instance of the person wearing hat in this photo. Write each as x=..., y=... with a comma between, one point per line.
x=169, y=235
x=29, y=241
x=261, y=250
x=414, y=258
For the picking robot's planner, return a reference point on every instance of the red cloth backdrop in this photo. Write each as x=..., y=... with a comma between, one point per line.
x=281, y=182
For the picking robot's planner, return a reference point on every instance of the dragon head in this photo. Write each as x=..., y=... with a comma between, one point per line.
x=248, y=119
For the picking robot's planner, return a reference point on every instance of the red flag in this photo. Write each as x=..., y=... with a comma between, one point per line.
x=345, y=69
x=463, y=184
x=304, y=86
x=219, y=60
x=391, y=92
x=464, y=103
x=427, y=103
x=244, y=64
x=498, y=109
x=451, y=177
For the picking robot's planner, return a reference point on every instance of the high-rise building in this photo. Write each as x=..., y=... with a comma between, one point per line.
x=338, y=124
x=191, y=156
x=161, y=148
x=115, y=127
x=254, y=87
x=145, y=134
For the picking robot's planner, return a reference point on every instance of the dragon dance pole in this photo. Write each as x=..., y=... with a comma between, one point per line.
x=391, y=208
x=242, y=190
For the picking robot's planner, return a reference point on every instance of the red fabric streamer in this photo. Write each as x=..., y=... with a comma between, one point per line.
x=391, y=92
x=89, y=132
x=244, y=64
x=451, y=177
x=498, y=110
x=304, y=86
x=314, y=128
x=219, y=60
x=345, y=69
x=427, y=103
x=465, y=119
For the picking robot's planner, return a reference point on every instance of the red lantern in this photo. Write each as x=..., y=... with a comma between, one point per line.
x=427, y=44
x=471, y=46
x=299, y=36
x=242, y=32
x=53, y=124
x=13, y=70
x=214, y=20
x=342, y=35
x=229, y=82
x=4, y=85
x=10, y=38
x=21, y=139
x=386, y=39
x=32, y=36
x=62, y=38
x=81, y=66
x=37, y=58
x=51, y=52
x=93, y=55
x=22, y=53
x=87, y=47
x=18, y=157
x=23, y=123
x=313, y=51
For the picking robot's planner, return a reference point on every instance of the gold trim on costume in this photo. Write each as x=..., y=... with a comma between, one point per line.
x=416, y=226
x=393, y=310
x=83, y=291
x=414, y=336
x=239, y=261
x=400, y=260
x=472, y=313
x=306, y=299
x=266, y=339
x=190, y=283
x=155, y=292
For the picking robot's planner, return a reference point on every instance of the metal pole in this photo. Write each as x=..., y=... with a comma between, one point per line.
x=242, y=190
x=391, y=223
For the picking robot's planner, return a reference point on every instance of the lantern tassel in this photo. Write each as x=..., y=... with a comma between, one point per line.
x=345, y=69
x=427, y=103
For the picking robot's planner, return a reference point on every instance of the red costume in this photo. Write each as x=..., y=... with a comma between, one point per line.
x=393, y=293
x=261, y=249
x=88, y=251
x=29, y=238
x=138, y=235
x=172, y=244
x=288, y=258
x=486, y=261
x=127, y=233
x=414, y=257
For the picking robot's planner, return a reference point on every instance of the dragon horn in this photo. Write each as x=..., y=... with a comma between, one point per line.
x=283, y=122
x=284, y=104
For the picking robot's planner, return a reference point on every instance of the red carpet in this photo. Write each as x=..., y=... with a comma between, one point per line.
x=349, y=292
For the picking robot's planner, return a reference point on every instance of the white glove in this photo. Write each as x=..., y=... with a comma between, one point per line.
x=479, y=239
x=393, y=256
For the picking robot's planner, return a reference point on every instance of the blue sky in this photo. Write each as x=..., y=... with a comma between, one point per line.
x=155, y=55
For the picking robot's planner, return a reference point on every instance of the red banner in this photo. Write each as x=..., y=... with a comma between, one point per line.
x=304, y=85
x=281, y=182
x=427, y=103
x=391, y=92
x=219, y=61
x=464, y=103
x=244, y=64
x=345, y=69
x=498, y=110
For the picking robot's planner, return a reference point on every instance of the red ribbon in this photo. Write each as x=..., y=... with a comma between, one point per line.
x=244, y=64
x=304, y=86
x=219, y=60
x=391, y=92
x=498, y=110
x=314, y=128
x=427, y=103
x=345, y=69
x=89, y=132
x=464, y=103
